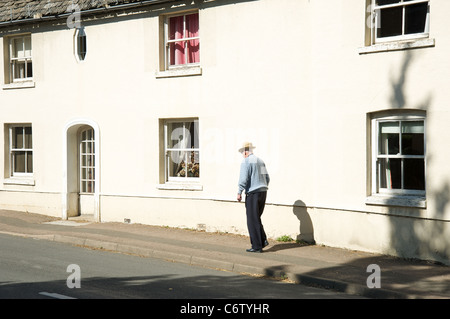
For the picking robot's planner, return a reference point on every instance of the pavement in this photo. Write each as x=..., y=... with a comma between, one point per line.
x=337, y=269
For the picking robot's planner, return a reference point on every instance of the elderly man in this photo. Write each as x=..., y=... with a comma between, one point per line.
x=254, y=179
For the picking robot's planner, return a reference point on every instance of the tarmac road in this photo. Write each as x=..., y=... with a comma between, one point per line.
x=33, y=269
x=341, y=270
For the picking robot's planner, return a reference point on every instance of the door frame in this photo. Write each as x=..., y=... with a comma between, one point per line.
x=70, y=166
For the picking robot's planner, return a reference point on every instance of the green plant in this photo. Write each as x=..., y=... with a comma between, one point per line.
x=285, y=239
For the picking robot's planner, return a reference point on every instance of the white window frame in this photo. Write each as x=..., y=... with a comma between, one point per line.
x=185, y=39
x=24, y=59
x=167, y=150
x=12, y=152
x=376, y=20
x=376, y=189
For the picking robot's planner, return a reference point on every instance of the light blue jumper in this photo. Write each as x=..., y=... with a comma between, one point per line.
x=253, y=176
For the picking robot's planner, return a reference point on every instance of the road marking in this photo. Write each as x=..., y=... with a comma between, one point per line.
x=55, y=295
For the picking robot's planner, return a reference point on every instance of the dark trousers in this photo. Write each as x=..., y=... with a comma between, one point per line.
x=254, y=204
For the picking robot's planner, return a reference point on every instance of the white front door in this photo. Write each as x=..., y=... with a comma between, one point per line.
x=87, y=171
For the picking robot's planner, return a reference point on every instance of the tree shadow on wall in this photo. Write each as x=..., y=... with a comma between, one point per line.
x=418, y=232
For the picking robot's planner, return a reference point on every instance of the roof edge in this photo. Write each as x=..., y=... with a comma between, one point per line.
x=74, y=7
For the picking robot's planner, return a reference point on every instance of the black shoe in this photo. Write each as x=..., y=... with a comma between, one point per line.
x=266, y=243
x=252, y=250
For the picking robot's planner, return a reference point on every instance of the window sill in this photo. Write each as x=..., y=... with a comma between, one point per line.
x=19, y=85
x=184, y=71
x=180, y=186
x=401, y=201
x=19, y=181
x=397, y=45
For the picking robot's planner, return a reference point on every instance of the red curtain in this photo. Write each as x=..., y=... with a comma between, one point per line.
x=184, y=51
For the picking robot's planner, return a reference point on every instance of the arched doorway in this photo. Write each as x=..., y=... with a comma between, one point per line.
x=81, y=169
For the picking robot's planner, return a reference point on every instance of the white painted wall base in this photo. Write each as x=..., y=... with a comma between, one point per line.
x=377, y=233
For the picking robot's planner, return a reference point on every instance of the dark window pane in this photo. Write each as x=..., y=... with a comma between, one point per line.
x=19, y=162
x=81, y=47
x=390, y=22
x=90, y=134
x=389, y=142
x=395, y=166
x=90, y=173
x=17, y=137
x=90, y=186
x=414, y=170
x=28, y=138
x=413, y=138
x=29, y=162
x=415, y=18
x=81, y=44
x=390, y=173
x=413, y=144
x=384, y=2
x=192, y=141
x=29, y=69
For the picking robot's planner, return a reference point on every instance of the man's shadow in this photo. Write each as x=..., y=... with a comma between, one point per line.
x=306, y=230
x=306, y=226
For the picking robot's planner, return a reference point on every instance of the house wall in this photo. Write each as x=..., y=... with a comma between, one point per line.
x=287, y=75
